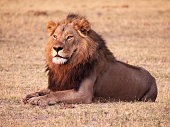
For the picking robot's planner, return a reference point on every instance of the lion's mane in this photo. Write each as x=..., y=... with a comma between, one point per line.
x=69, y=76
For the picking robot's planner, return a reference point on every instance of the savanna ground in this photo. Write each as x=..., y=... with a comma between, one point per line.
x=137, y=32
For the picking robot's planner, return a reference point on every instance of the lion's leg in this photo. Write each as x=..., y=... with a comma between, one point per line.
x=83, y=95
x=36, y=94
x=151, y=93
x=68, y=96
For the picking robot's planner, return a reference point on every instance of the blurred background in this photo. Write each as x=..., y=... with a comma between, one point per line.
x=136, y=31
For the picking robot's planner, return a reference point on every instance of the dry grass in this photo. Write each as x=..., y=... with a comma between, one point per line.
x=136, y=31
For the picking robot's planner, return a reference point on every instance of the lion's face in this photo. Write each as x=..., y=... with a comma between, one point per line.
x=64, y=44
x=69, y=42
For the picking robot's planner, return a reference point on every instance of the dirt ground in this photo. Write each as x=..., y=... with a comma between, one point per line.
x=137, y=32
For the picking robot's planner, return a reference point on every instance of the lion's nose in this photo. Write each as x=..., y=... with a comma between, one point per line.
x=57, y=49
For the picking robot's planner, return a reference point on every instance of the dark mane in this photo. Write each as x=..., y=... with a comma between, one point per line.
x=72, y=77
x=102, y=48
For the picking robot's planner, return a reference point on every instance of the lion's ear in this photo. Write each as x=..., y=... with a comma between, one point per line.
x=82, y=26
x=51, y=26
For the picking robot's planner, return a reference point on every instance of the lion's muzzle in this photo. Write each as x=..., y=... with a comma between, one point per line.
x=57, y=49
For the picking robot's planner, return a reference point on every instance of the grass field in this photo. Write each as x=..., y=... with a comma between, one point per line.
x=137, y=32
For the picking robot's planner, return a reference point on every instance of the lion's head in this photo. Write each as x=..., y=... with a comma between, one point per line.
x=69, y=42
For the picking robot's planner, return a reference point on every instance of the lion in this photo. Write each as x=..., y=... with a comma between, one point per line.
x=82, y=69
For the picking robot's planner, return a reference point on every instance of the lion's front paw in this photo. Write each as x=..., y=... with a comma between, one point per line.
x=40, y=101
x=25, y=100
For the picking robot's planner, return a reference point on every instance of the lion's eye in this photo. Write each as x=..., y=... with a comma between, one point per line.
x=69, y=37
x=54, y=37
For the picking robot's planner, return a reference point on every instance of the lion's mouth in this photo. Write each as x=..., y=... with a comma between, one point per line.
x=57, y=59
x=61, y=57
